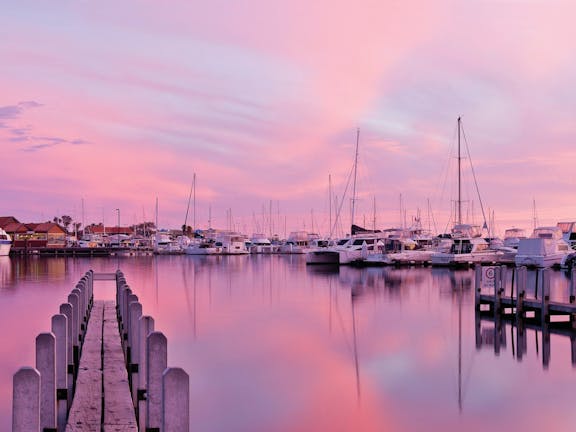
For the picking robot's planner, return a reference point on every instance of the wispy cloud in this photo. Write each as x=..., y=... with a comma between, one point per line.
x=41, y=143
x=10, y=112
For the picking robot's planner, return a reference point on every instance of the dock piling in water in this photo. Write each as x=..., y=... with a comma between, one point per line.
x=523, y=310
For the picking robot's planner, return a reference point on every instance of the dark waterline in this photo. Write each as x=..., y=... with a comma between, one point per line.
x=273, y=345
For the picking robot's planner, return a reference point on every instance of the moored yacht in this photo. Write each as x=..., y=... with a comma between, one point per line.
x=165, y=245
x=468, y=248
x=230, y=243
x=298, y=242
x=260, y=244
x=201, y=247
x=545, y=248
x=354, y=249
x=5, y=243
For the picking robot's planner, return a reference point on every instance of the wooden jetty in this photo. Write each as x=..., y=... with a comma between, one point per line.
x=102, y=368
x=78, y=251
x=536, y=311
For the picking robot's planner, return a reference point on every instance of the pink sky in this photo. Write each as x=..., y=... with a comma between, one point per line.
x=117, y=104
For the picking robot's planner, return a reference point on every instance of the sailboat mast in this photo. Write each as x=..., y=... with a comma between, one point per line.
x=330, y=203
x=355, y=173
x=459, y=178
x=187, y=210
x=194, y=210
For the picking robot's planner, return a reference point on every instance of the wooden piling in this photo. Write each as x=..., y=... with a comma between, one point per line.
x=545, y=309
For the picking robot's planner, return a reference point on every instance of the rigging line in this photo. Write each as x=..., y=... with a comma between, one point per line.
x=342, y=200
x=475, y=181
x=188, y=208
x=444, y=177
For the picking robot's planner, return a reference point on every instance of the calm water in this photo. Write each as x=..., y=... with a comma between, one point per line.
x=273, y=345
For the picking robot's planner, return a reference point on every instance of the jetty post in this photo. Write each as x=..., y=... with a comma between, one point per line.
x=45, y=364
x=26, y=400
x=60, y=330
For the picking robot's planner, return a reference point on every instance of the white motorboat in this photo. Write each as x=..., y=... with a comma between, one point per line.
x=164, y=245
x=298, y=242
x=354, y=249
x=5, y=243
x=545, y=248
x=201, y=247
x=468, y=248
x=260, y=244
x=512, y=237
x=231, y=244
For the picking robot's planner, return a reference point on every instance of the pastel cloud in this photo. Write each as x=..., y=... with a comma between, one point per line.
x=262, y=100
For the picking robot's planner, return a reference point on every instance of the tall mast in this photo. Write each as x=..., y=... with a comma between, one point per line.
x=187, y=209
x=330, y=203
x=355, y=173
x=459, y=221
x=194, y=213
x=374, y=218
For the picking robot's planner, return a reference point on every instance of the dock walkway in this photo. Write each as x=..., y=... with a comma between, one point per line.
x=102, y=401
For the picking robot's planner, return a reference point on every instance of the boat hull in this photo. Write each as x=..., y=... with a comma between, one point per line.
x=5, y=247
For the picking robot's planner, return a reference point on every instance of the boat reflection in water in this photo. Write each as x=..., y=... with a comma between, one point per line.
x=273, y=344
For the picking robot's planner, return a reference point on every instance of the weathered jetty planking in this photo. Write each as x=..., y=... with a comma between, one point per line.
x=102, y=368
x=521, y=310
x=102, y=398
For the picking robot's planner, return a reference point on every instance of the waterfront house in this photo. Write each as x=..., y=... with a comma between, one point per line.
x=36, y=235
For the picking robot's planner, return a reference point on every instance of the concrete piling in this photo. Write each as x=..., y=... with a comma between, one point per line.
x=46, y=365
x=26, y=400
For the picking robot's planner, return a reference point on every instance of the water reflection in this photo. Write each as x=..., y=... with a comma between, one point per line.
x=273, y=344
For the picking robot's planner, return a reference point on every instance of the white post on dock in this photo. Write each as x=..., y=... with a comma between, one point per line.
x=81, y=325
x=157, y=347
x=45, y=363
x=60, y=330
x=26, y=400
x=73, y=300
x=145, y=328
x=66, y=309
x=83, y=298
x=132, y=298
x=124, y=313
x=176, y=400
x=134, y=366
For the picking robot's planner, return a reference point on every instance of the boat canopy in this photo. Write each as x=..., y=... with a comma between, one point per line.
x=547, y=233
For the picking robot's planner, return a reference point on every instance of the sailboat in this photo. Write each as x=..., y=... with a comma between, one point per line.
x=468, y=247
x=359, y=245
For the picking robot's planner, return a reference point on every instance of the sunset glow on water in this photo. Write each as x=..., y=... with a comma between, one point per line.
x=273, y=345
